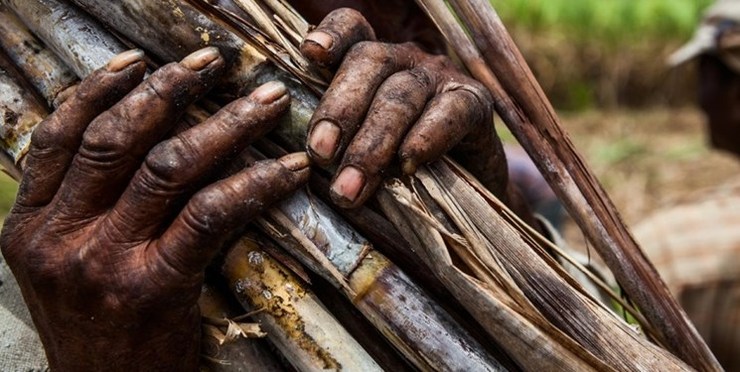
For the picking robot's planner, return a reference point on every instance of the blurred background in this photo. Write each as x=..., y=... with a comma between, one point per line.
x=602, y=63
x=634, y=119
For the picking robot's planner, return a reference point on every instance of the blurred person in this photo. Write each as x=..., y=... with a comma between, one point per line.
x=695, y=244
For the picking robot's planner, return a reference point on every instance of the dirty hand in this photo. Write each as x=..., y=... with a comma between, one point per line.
x=395, y=102
x=110, y=234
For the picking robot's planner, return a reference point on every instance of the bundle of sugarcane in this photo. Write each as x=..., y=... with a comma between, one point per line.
x=486, y=263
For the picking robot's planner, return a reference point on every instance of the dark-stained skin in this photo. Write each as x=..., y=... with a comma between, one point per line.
x=109, y=239
x=394, y=21
x=394, y=102
x=719, y=94
x=117, y=218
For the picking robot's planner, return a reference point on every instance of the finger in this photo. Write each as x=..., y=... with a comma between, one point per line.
x=397, y=105
x=197, y=233
x=448, y=118
x=341, y=29
x=347, y=100
x=56, y=140
x=482, y=153
x=115, y=143
x=173, y=166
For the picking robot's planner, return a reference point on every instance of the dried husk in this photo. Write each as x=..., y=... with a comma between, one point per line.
x=296, y=321
x=222, y=353
x=526, y=110
x=20, y=112
x=524, y=330
x=401, y=310
x=506, y=260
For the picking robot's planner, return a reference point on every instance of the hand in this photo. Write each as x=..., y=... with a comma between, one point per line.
x=109, y=237
x=394, y=101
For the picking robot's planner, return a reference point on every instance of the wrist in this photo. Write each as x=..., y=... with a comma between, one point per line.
x=101, y=344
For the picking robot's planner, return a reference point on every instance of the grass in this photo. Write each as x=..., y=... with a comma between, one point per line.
x=8, y=189
x=605, y=53
x=613, y=21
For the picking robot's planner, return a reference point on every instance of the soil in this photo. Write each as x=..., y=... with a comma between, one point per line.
x=648, y=159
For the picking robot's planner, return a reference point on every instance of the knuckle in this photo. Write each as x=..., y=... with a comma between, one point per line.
x=480, y=93
x=155, y=87
x=441, y=63
x=168, y=163
x=102, y=142
x=369, y=50
x=48, y=133
x=202, y=214
x=418, y=76
x=237, y=111
x=349, y=13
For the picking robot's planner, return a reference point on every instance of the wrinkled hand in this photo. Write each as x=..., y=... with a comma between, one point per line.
x=395, y=102
x=109, y=238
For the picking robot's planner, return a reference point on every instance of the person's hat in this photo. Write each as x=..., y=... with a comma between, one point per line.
x=718, y=33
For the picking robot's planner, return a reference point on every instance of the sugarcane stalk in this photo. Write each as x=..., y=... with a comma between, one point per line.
x=221, y=352
x=320, y=239
x=525, y=109
x=369, y=278
x=41, y=67
x=516, y=327
x=360, y=327
x=20, y=112
x=445, y=330
x=389, y=299
x=499, y=246
x=296, y=321
x=67, y=33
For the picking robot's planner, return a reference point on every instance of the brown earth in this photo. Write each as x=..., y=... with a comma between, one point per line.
x=648, y=159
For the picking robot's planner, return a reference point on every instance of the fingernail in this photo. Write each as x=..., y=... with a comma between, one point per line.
x=408, y=166
x=349, y=183
x=295, y=161
x=321, y=38
x=199, y=59
x=269, y=92
x=324, y=139
x=124, y=60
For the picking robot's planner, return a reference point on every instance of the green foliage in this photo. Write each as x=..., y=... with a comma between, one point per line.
x=8, y=189
x=608, y=20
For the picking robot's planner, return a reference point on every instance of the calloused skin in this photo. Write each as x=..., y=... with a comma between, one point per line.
x=396, y=103
x=115, y=222
x=109, y=239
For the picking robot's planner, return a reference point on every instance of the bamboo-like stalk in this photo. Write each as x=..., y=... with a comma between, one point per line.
x=67, y=33
x=445, y=330
x=324, y=343
x=20, y=112
x=489, y=244
x=42, y=68
x=222, y=354
x=296, y=321
x=321, y=240
x=368, y=278
x=524, y=107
